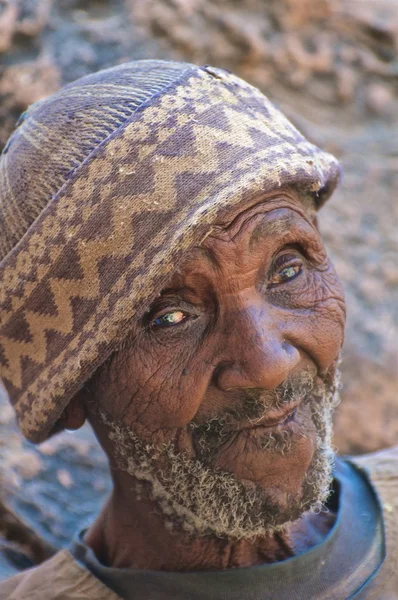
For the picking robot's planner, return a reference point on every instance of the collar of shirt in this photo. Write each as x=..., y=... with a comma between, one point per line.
x=338, y=567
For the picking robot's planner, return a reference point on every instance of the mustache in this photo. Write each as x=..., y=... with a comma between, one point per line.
x=252, y=405
x=255, y=404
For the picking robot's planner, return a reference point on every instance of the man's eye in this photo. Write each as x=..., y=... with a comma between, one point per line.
x=169, y=319
x=286, y=274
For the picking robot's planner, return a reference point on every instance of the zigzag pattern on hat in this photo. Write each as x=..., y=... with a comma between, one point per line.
x=107, y=242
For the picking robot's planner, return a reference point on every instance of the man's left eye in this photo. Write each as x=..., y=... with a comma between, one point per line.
x=286, y=274
x=169, y=319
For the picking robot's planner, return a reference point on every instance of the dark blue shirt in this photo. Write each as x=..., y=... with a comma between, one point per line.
x=338, y=568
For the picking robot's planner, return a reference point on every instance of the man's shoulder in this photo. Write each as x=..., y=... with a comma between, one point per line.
x=380, y=465
x=381, y=470
x=59, y=577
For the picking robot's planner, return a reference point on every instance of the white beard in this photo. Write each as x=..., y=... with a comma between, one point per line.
x=204, y=500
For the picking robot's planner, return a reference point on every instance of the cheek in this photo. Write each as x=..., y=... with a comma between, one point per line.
x=318, y=326
x=156, y=388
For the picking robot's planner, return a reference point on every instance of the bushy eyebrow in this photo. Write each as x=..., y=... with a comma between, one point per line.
x=209, y=254
x=271, y=227
x=205, y=252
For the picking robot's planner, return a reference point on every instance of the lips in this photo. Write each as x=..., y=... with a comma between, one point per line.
x=273, y=417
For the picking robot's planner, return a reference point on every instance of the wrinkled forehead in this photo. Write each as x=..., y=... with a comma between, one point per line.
x=273, y=221
x=290, y=197
x=273, y=214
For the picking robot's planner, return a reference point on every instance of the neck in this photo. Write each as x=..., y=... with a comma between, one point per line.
x=131, y=533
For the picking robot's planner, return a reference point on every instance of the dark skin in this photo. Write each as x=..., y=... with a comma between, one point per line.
x=258, y=302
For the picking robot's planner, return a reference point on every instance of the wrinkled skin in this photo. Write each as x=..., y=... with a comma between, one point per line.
x=257, y=303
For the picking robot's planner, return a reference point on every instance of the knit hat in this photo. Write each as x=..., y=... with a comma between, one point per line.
x=104, y=186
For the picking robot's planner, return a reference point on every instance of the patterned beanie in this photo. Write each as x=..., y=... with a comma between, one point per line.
x=103, y=188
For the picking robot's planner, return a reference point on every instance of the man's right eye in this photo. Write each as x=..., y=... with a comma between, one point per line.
x=169, y=319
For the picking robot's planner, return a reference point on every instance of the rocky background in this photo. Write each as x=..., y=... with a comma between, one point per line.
x=332, y=66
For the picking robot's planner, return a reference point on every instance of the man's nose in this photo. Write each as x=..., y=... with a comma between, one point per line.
x=256, y=353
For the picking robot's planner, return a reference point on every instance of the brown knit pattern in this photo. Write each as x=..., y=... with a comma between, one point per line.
x=104, y=244
x=382, y=470
x=55, y=135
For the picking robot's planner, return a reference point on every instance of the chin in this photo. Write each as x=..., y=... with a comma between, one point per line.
x=276, y=459
x=285, y=471
x=253, y=484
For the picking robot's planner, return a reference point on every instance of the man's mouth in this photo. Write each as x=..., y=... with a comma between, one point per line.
x=273, y=418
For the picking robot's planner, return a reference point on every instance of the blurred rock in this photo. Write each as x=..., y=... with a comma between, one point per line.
x=323, y=51
x=55, y=489
x=375, y=426
x=47, y=43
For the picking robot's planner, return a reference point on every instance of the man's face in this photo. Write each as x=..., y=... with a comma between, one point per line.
x=222, y=399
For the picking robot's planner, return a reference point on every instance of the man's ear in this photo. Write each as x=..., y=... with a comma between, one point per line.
x=74, y=415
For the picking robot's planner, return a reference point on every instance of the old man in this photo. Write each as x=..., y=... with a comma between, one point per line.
x=163, y=276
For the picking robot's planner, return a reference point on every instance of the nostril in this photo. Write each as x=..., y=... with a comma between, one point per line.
x=289, y=349
x=264, y=365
